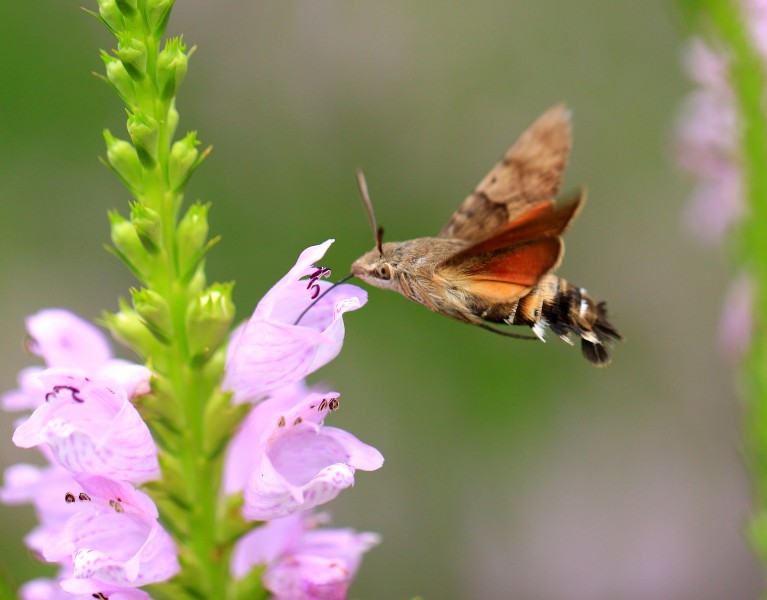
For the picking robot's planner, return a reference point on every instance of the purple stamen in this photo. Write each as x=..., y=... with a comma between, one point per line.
x=58, y=388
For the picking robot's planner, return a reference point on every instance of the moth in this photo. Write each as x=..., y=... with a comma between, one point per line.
x=493, y=262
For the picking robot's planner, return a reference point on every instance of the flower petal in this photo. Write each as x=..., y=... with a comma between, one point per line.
x=29, y=395
x=322, y=567
x=114, y=538
x=270, y=351
x=90, y=427
x=304, y=467
x=65, y=340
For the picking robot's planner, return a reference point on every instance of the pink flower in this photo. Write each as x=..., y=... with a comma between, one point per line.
x=270, y=351
x=289, y=460
x=47, y=589
x=45, y=488
x=66, y=342
x=303, y=562
x=112, y=538
x=90, y=426
x=707, y=147
x=736, y=325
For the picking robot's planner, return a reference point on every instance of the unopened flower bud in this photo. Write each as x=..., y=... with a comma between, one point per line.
x=208, y=319
x=182, y=160
x=157, y=13
x=127, y=328
x=145, y=134
x=197, y=280
x=132, y=52
x=119, y=78
x=111, y=15
x=128, y=244
x=122, y=157
x=171, y=67
x=191, y=235
x=148, y=227
x=155, y=311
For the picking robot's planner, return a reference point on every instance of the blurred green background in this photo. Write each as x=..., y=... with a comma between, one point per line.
x=513, y=469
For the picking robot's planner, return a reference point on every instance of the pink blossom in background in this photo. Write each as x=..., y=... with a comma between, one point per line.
x=302, y=561
x=269, y=351
x=736, y=324
x=707, y=139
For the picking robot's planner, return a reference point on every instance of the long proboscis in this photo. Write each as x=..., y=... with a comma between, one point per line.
x=318, y=298
x=362, y=184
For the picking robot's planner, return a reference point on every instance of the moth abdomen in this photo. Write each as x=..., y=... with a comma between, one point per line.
x=564, y=309
x=571, y=310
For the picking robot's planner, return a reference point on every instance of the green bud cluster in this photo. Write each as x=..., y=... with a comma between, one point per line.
x=174, y=319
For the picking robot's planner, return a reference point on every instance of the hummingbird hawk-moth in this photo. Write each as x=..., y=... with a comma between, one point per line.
x=494, y=260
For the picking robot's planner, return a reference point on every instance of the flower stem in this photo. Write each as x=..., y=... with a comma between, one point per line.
x=176, y=323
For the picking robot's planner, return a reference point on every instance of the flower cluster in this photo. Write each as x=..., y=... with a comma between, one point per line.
x=105, y=533
x=102, y=531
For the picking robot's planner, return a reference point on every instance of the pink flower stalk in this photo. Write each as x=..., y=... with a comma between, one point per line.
x=270, y=351
x=708, y=133
x=303, y=562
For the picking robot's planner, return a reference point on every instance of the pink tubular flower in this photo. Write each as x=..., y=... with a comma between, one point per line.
x=113, y=538
x=303, y=562
x=47, y=589
x=270, y=351
x=90, y=426
x=44, y=488
x=289, y=460
x=68, y=343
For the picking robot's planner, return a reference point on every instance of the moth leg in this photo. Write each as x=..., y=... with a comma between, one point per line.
x=507, y=333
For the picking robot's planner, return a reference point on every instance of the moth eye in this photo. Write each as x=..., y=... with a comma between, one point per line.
x=383, y=271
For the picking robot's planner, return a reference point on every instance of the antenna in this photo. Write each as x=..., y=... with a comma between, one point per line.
x=377, y=231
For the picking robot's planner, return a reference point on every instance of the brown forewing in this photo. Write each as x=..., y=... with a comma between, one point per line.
x=529, y=173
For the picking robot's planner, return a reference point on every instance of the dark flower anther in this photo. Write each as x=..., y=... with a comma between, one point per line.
x=319, y=273
x=57, y=388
